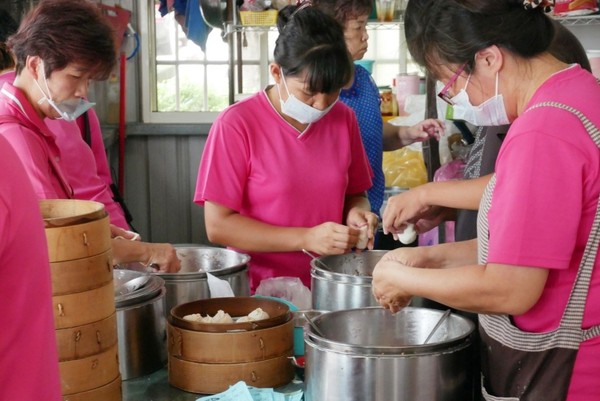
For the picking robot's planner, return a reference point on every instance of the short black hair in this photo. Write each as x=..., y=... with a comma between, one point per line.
x=312, y=42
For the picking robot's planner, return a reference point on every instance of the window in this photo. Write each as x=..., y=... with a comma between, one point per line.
x=183, y=84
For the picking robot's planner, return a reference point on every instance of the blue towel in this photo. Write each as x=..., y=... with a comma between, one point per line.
x=197, y=29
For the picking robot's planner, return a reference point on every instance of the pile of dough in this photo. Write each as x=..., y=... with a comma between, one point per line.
x=219, y=317
x=256, y=314
x=409, y=235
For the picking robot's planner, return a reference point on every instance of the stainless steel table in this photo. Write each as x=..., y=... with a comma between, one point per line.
x=156, y=387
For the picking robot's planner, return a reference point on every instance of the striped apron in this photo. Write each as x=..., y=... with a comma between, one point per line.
x=523, y=366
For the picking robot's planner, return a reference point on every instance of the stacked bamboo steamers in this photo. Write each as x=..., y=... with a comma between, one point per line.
x=207, y=358
x=79, y=247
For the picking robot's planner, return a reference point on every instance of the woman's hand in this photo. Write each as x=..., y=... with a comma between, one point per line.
x=163, y=257
x=118, y=232
x=362, y=219
x=430, y=128
x=406, y=207
x=330, y=239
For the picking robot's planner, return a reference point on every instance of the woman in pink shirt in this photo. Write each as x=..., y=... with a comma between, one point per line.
x=56, y=56
x=285, y=170
x=533, y=273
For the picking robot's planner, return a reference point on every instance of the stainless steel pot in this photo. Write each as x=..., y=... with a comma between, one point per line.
x=370, y=354
x=190, y=283
x=141, y=325
x=343, y=281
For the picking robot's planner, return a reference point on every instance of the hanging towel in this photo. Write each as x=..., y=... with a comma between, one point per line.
x=196, y=28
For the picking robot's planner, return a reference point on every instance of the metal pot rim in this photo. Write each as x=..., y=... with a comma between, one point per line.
x=312, y=338
x=340, y=278
x=195, y=275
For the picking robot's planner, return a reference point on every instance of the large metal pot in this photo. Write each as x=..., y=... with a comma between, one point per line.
x=141, y=325
x=371, y=354
x=343, y=281
x=190, y=283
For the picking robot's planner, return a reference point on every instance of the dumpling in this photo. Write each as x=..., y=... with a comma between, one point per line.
x=222, y=318
x=409, y=235
x=363, y=238
x=194, y=317
x=256, y=314
x=219, y=317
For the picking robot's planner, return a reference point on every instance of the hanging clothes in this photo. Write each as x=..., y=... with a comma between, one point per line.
x=193, y=24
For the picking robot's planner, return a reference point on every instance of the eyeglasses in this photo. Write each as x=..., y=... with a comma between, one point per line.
x=444, y=92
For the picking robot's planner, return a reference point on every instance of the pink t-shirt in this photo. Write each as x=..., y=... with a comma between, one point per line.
x=546, y=194
x=85, y=168
x=256, y=163
x=28, y=356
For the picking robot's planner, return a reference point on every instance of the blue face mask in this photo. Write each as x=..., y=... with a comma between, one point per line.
x=298, y=110
x=69, y=109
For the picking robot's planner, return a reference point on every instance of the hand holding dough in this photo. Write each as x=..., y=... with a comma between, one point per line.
x=409, y=235
x=363, y=238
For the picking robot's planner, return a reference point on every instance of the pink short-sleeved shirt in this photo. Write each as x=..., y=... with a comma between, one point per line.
x=546, y=194
x=256, y=163
x=85, y=168
x=28, y=355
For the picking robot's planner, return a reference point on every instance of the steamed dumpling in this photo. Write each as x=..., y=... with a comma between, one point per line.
x=256, y=314
x=409, y=235
x=220, y=317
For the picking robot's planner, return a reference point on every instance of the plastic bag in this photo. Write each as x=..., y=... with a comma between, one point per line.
x=404, y=168
x=288, y=288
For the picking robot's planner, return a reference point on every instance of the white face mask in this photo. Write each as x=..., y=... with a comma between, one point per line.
x=298, y=110
x=68, y=110
x=487, y=114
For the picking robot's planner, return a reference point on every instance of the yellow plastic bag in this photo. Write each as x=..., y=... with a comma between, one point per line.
x=404, y=168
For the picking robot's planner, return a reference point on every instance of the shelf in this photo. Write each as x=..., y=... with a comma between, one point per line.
x=593, y=19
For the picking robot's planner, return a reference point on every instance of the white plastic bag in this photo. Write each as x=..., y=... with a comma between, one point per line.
x=289, y=288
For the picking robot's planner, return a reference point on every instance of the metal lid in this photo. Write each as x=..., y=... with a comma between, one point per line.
x=197, y=260
x=127, y=297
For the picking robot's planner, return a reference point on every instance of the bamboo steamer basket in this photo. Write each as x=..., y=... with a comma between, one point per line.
x=211, y=378
x=207, y=358
x=109, y=392
x=86, y=340
x=66, y=212
x=233, y=347
x=79, y=247
x=81, y=274
x=83, y=307
x=79, y=240
x=92, y=372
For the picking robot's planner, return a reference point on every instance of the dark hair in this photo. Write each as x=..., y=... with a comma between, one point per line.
x=8, y=26
x=567, y=48
x=453, y=31
x=344, y=10
x=66, y=31
x=312, y=42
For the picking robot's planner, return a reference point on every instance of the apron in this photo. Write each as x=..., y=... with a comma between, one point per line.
x=523, y=366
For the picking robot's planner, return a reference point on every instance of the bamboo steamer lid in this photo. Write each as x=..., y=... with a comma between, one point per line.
x=109, y=392
x=231, y=347
x=89, y=373
x=211, y=378
x=85, y=307
x=81, y=274
x=66, y=212
x=89, y=339
x=79, y=240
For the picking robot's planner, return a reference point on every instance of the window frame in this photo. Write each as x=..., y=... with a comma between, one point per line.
x=148, y=76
